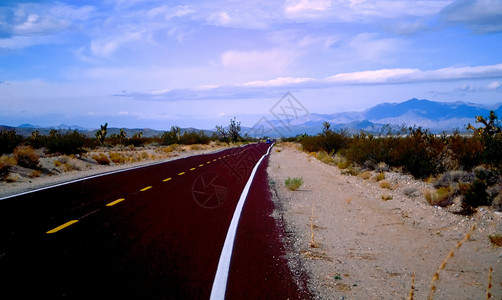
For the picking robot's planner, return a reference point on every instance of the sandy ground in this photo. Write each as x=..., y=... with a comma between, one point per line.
x=368, y=248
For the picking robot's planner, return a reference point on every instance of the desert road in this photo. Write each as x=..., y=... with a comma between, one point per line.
x=155, y=232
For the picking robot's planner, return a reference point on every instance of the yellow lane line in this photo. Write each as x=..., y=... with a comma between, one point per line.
x=62, y=226
x=214, y=159
x=208, y=162
x=192, y=169
x=115, y=202
x=146, y=188
x=201, y=165
x=167, y=179
x=181, y=173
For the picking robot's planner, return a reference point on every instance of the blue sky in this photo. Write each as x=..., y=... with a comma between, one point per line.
x=148, y=63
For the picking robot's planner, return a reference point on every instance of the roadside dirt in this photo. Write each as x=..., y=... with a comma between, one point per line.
x=367, y=247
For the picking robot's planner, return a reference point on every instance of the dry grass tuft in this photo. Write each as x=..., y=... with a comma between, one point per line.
x=496, y=239
x=6, y=162
x=385, y=185
x=489, y=285
x=379, y=177
x=35, y=173
x=435, y=278
x=386, y=197
x=101, y=159
x=412, y=288
x=440, y=197
x=26, y=156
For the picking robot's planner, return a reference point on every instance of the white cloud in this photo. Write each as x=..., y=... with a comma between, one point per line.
x=281, y=81
x=494, y=85
x=106, y=47
x=274, y=87
x=219, y=18
x=305, y=6
x=372, y=77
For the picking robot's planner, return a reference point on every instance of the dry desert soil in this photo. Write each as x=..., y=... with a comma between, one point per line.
x=365, y=247
x=349, y=243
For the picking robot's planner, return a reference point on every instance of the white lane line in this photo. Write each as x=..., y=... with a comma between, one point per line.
x=220, y=280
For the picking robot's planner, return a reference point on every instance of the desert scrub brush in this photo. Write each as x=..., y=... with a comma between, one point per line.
x=293, y=183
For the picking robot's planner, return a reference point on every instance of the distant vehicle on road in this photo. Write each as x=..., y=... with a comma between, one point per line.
x=268, y=141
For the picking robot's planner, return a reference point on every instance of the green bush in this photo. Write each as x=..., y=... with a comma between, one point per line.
x=68, y=143
x=293, y=183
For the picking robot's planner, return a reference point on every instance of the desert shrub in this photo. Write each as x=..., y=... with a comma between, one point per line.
x=365, y=149
x=492, y=149
x=449, y=178
x=6, y=163
x=136, y=141
x=9, y=140
x=101, y=159
x=496, y=239
x=351, y=170
x=443, y=196
x=35, y=173
x=344, y=164
x=68, y=143
x=26, y=156
x=293, y=183
x=420, y=153
x=476, y=195
x=311, y=143
x=325, y=157
x=466, y=151
x=117, y=158
x=192, y=137
x=385, y=184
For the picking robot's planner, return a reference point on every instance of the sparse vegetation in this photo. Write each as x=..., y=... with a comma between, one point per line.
x=467, y=167
x=496, y=239
x=26, y=156
x=293, y=184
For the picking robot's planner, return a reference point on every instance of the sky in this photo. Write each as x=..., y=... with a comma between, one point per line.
x=155, y=64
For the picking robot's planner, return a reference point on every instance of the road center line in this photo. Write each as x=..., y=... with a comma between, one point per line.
x=220, y=280
x=181, y=173
x=192, y=169
x=62, y=226
x=167, y=179
x=115, y=202
x=146, y=188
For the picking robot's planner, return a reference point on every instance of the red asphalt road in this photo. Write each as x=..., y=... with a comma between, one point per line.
x=162, y=241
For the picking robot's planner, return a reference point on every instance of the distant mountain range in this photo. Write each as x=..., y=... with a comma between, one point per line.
x=436, y=116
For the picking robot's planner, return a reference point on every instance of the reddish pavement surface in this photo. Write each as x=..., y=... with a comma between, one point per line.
x=161, y=239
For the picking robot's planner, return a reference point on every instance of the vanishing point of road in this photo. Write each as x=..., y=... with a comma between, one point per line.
x=193, y=228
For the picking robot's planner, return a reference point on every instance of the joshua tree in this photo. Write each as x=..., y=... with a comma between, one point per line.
x=101, y=134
